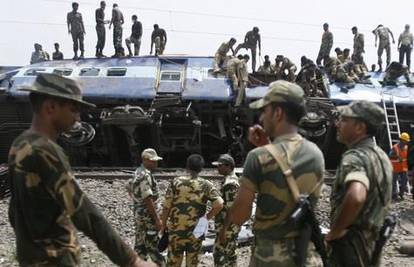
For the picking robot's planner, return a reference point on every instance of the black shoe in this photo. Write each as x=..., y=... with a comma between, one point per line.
x=75, y=57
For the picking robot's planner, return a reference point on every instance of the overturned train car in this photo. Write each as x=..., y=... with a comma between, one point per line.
x=174, y=104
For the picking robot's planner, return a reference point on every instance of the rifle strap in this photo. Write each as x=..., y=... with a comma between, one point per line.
x=284, y=166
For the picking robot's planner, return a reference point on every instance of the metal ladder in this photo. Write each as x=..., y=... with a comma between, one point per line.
x=391, y=119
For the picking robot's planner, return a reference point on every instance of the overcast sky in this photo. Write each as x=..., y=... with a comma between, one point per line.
x=291, y=28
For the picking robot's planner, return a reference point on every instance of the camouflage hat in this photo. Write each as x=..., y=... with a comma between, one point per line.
x=57, y=86
x=369, y=112
x=225, y=159
x=281, y=91
x=150, y=154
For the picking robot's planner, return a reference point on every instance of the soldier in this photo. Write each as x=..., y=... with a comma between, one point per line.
x=38, y=55
x=143, y=189
x=47, y=205
x=360, y=68
x=359, y=44
x=383, y=33
x=221, y=54
x=276, y=67
x=398, y=156
x=346, y=55
x=405, y=44
x=339, y=53
x=135, y=38
x=266, y=68
x=76, y=29
x=243, y=80
x=276, y=242
x=394, y=71
x=226, y=239
x=326, y=45
x=57, y=55
x=117, y=20
x=289, y=67
x=251, y=40
x=100, y=29
x=159, y=38
x=185, y=203
x=233, y=65
x=361, y=195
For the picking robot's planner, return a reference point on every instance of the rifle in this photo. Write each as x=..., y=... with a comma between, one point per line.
x=385, y=233
x=304, y=214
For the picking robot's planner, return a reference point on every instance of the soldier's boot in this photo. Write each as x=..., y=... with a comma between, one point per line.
x=97, y=54
x=82, y=55
x=75, y=56
x=380, y=67
x=129, y=50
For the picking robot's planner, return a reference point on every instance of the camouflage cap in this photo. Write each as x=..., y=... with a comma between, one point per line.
x=57, y=86
x=225, y=159
x=281, y=91
x=150, y=154
x=369, y=112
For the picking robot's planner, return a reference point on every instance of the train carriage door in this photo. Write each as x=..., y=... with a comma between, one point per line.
x=171, y=76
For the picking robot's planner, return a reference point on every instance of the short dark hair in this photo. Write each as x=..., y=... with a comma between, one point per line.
x=354, y=28
x=56, y=44
x=75, y=4
x=37, y=100
x=232, y=39
x=156, y=26
x=134, y=17
x=326, y=24
x=115, y=5
x=195, y=163
x=246, y=56
x=103, y=2
x=294, y=112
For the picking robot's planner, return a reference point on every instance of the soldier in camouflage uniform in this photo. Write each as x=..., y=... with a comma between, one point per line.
x=47, y=205
x=38, y=55
x=226, y=239
x=243, y=80
x=117, y=20
x=76, y=29
x=383, y=33
x=143, y=189
x=277, y=241
x=326, y=45
x=158, y=39
x=361, y=195
x=221, y=54
x=185, y=203
x=359, y=44
x=251, y=41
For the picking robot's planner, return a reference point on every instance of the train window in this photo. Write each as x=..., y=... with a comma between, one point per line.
x=116, y=72
x=63, y=72
x=34, y=72
x=89, y=72
x=170, y=76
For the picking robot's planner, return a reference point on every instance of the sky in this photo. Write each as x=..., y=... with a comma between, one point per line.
x=194, y=27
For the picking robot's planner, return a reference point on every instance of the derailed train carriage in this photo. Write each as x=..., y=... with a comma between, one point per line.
x=175, y=104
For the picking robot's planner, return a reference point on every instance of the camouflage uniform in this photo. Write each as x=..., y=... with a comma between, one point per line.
x=220, y=55
x=288, y=65
x=326, y=46
x=39, y=56
x=159, y=37
x=117, y=20
x=186, y=199
x=384, y=43
x=368, y=164
x=243, y=80
x=225, y=254
x=47, y=204
x=250, y=42
x=275, y=238
x=144, y=185
x=359, y=46
x=394, y=71
x=233, y=66
x=77, y=30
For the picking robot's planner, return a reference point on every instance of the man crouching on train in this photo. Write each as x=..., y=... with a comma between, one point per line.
x=144, y=191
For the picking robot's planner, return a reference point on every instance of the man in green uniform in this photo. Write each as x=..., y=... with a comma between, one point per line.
x=221, y=54
x=359, y=45
x=76, y=29
x=47, y=205
x=277, y=241
x=383, y=33
x=185, y=203
x=361, y=195
x=251, y=41
x=117, y=20
x=144, y=190
x=226, y=239
x=326, y=45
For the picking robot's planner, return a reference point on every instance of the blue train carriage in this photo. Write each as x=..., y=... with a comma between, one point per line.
x=172, y=103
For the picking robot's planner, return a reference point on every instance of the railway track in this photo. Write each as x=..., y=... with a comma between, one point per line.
x=111, y=173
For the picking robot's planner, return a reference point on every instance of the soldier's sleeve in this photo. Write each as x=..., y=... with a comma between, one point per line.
x=213, y=193
x=143, y=187
x=61, y=184
x=353, y=169
x=251, y=170
x=230, y=192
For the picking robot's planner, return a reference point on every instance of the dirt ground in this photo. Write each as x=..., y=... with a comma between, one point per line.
x=113, y=201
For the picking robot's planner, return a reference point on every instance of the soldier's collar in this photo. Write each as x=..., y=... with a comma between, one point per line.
x=292, y=137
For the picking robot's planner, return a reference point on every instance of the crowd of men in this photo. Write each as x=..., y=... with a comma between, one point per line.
x=77, y=31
